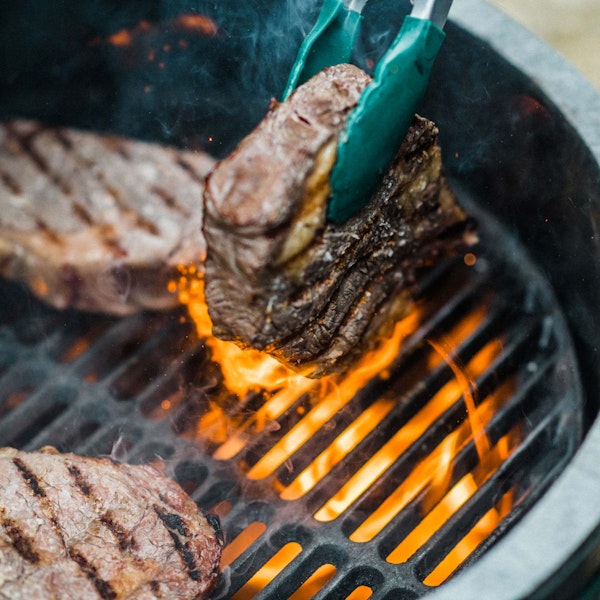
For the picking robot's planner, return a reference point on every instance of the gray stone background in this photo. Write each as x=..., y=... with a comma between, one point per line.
x=570, y=26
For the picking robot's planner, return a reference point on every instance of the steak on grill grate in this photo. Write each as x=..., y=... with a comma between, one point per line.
x=78, y=527
x=94, y=221
x=278, y=277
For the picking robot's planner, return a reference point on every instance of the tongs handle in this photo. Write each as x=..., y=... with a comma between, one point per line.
x=330, y=42
x=376, y=127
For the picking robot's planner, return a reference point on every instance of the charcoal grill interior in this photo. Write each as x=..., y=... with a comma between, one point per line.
x=136, y=388
x=519, y=154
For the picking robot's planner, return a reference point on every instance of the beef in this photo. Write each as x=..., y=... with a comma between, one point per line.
x=97, y=222
x=281, y=278
x=75, y=527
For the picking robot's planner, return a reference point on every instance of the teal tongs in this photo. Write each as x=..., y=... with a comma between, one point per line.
x=376, y=127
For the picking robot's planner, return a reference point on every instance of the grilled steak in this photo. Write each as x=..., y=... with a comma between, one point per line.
x=77, y=527
x=278, y=276
x=97, y=222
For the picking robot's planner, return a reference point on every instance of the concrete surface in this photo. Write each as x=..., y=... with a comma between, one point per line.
x=570, y=26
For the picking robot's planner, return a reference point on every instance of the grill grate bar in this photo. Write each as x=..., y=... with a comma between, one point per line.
x=405, y=409
x=116, y=438
x=529, y=460
x=508, y=475
x=346, y=581
x=259, y=443
x=503, y=420
x=407, y=406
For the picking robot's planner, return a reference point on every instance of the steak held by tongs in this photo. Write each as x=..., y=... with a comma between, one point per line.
x=278, y=275
x=94, y=221
x=79, y=527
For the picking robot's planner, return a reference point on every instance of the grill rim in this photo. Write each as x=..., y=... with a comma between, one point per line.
x=554, y=547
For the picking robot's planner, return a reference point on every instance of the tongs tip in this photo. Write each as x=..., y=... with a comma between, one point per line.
x=387, y=105
x=435, y=11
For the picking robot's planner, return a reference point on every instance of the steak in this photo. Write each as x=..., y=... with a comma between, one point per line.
x=97, y=222
x=78, y=527
x=278, y=276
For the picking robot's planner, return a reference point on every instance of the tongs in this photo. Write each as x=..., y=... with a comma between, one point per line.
x=376, y=127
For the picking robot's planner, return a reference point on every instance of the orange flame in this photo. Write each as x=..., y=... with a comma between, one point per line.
x=246, y=371
x=243, y=370
x=341, y=392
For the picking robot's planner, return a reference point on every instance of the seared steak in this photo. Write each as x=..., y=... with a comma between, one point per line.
x=94, y=221
x=77, y=527
x=278, y=276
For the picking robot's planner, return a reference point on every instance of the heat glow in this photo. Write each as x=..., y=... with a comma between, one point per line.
x=431, y=482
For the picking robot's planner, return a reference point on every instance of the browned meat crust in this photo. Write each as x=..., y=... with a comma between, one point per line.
x=278, y=277
x=78, y=527
x=94, y=221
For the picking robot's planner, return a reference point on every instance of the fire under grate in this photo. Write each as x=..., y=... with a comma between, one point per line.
x=360, y=507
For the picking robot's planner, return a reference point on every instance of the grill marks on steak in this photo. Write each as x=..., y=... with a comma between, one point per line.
x=22, y=543
x=77, y=527
x=95, y=221
x=278, y=277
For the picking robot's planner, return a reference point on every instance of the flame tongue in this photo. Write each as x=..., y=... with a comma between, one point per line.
x=243, y=371
x=431, y=483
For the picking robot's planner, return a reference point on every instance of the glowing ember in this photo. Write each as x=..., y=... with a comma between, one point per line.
x=430, y=483
x=125, y=37
x=121, y=38
x=78, y=348
x=470, y=259
x=199, y=23
x=187, y=24
x=362, y=592
x=39, y=286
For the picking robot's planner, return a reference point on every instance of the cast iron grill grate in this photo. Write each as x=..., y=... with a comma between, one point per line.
x=138, y=388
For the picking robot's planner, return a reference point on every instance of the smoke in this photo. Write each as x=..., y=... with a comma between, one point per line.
x=210, y=95
x=130, y=68
x=120, y=450
x=381, y=23
x=65, y=64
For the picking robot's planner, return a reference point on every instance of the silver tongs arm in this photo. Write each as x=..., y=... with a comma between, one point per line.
x=435, y=11
x=355, y=5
